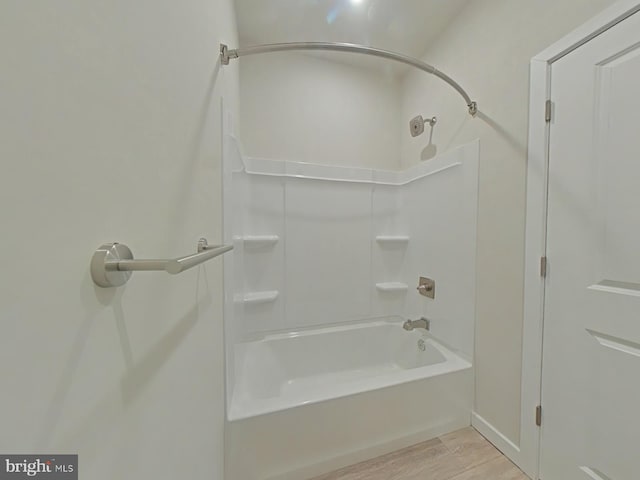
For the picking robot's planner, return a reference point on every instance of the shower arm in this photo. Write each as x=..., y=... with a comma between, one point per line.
x=226, y=55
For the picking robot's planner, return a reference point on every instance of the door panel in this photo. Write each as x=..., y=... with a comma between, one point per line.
x=591, y=353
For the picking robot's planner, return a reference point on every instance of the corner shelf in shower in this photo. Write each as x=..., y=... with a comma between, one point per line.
x=258, y=241
x=392, y=287
x=392, y=239
x=255, y=298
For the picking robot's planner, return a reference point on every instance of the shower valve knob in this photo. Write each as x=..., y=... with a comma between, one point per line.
x=427, y=287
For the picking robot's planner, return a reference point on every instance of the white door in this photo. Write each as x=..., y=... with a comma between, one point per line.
x=591, y=352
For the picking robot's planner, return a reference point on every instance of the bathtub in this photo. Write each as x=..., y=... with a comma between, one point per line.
x=308, y=402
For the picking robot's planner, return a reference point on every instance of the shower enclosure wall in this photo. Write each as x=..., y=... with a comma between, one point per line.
x=320, y=372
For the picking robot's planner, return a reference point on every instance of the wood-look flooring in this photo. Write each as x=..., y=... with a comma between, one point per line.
x=461, y=455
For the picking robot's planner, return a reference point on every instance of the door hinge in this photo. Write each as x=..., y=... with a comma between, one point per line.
x=543, y=267
x=548, y=109
x=539, y=415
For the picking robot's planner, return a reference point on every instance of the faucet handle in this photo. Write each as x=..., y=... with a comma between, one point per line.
x=427, y=287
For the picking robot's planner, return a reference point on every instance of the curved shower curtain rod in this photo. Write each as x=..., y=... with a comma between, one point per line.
x=226, y=55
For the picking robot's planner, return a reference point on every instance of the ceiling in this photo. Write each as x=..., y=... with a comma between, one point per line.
x=404, y=26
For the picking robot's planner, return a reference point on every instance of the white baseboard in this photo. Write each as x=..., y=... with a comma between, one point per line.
x=501, y=442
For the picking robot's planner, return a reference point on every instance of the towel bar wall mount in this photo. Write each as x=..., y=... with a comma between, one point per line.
x=112, y=263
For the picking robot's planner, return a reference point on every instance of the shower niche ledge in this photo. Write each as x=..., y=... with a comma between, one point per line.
x=392, y=239
x=392, y=287
x=255, y=298
x=257, y=241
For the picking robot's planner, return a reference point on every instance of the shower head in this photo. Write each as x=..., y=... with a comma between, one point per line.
x=416, y=125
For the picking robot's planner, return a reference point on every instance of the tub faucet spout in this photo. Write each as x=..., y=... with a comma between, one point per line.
x=423, y=322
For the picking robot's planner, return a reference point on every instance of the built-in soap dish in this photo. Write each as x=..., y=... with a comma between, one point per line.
x=255, y=298
x=392, y=239
x=258, y=241
x=392, y=287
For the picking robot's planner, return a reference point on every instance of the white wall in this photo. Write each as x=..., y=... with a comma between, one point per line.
x=110, y=131
x=309, y=109
x=487, y=49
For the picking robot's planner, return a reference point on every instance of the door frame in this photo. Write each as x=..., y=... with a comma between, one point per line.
x=536, y=220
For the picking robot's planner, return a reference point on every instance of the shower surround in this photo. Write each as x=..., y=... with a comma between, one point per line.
x=325, y=268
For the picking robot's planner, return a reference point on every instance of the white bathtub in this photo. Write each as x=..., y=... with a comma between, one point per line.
x=283, y=371
x=308, y=402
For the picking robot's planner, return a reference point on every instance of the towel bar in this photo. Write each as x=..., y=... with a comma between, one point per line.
x=113, y=263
